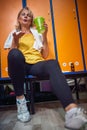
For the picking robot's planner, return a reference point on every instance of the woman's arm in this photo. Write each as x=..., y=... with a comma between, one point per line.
x=13, y=45
x=45, y=49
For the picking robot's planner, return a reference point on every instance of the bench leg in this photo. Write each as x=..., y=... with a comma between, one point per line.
x=29, y=94
x=32, y=97
x=76, y=87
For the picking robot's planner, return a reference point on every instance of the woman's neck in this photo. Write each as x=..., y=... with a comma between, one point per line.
x=25, y=30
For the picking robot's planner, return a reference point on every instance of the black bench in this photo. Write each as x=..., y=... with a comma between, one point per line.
x=29, y=80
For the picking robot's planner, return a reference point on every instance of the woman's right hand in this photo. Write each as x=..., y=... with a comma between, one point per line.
x=15, y=41
x=16, y=37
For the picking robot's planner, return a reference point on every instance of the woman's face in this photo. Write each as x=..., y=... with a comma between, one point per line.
x=25, y=18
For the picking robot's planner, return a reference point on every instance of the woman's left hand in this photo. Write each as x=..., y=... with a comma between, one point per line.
x=46, y=30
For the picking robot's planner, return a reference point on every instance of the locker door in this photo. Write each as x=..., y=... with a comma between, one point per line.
x=8, y=10
x=82, y=8
x=42, y=8
x=67, y=35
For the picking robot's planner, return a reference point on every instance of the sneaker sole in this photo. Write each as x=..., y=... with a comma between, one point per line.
x=73, y=128
x=77, y=128
x=24, y=121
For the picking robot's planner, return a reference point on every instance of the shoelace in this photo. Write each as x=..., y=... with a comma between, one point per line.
x=80, y=111
x=18, y=102
x=83, y=111
x=22, y=106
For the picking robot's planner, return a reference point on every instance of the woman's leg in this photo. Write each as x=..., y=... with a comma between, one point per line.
x=74, y=117
x=57, y=79
x=16, y=70
x=16, y=63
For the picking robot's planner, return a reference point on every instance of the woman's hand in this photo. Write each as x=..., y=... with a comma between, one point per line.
x=15, y=41
x=46, y=30
x=16, y=37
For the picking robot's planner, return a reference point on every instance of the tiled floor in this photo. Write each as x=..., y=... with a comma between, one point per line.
x=48, y=116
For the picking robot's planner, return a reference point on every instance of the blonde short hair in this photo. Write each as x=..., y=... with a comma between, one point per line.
x=18, y=26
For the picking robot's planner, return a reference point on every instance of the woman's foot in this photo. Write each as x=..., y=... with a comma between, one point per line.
x=75, y=118
x=22, y=111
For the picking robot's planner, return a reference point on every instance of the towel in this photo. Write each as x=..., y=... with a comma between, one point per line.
x=38, y=44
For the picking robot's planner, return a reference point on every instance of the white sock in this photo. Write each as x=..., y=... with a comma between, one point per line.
x=22, y=99
x=71, y=111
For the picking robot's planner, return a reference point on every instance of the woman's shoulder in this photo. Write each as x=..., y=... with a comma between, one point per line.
x=9, y=39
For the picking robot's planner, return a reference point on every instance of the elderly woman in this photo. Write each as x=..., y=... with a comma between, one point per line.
x=28, y=51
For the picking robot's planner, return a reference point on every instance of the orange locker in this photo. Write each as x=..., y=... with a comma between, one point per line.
x=82, y=9
x=67, y=35
x=8, y=10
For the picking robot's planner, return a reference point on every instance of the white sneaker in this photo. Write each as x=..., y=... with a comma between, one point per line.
x=76, y=119
x=23, y=113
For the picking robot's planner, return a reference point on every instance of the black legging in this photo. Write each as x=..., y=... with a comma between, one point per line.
x=17, y=69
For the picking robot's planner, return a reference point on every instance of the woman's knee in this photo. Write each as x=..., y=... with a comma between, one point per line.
x=53, y=63
x=53, y=66
x=15, y=54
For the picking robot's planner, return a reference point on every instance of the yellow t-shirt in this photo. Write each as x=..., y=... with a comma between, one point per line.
x=31, y=55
